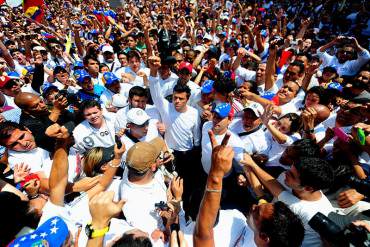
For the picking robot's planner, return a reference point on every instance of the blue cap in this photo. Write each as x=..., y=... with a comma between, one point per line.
x=336, y=86
x=207, y=86
x=234, y=21
x=47, y=89
x=80, y=75
x=13, y=75
x=78, y=64
x=264, y=33
x=222, y=109
x=52, y=233
x=110, y=78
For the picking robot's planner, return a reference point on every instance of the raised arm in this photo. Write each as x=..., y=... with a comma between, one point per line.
x=222, y=157
x=266, y=179
x=59, y=171
x=265, y=117
x=270, y=67
x=5, y=53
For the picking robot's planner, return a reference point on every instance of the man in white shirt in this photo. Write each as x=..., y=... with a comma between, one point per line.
x=139, y=128
x=184, y=72
x=112, y=87
x=182, y=126
x=137, y=98
x=343, y=61
x=109, y=58
x=306, y=178
x=97, y=130
x=133, y=73
x=143, y=186
x=167, y=79
x=250, y=129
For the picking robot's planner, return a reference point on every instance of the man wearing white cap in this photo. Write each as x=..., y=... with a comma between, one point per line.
x=250, y=129
x=139, y=128
x=109, y=58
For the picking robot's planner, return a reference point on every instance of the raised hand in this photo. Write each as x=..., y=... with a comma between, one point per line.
x=20, y=171
x=222, y=155
x=103, y=208
x=177, y=187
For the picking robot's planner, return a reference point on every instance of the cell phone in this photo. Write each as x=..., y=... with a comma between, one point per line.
x=118, y=141
x=361, y=136
x=161, y=206
x=236, y=92
x=338, y=132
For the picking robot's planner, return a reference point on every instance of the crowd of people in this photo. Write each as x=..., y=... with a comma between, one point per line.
x=185, y=123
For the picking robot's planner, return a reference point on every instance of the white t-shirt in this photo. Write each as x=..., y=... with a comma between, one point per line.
x=39, y=160
x=234, y=142
x=137, y=81
x=87, y=137
x=195, y=91
x=152, y=133
x=254, y=142
x=276, y=149
x=139, y=209
x=182, y=128
x=121, y=116
x=231, y=230
x=306, y=210
x=243, y=74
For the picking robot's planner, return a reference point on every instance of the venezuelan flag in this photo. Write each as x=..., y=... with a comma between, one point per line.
x=34, y=9
x=46, y=35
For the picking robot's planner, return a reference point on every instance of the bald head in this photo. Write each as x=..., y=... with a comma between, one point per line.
x=31, y=104
x=22, y=100
x=323, y=113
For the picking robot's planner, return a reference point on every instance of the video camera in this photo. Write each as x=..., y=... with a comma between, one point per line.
x=71, y=98
x=352, y=235
x=361, y=185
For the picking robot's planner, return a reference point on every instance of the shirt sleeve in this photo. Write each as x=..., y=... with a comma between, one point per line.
x=197, y=130
x=363, y=57
x=288, y=198
x=160, y=102
x=326, y=58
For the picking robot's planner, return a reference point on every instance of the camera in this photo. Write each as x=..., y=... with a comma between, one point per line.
x=361, y=185
x=278, y=40
x=71, y=98
x=161, y=206
x=328, y=230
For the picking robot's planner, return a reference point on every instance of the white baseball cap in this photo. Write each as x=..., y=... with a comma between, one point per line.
x=107, y=48
x=208, y=36
x=119, y=100
x=256, y=108
x=137, y=116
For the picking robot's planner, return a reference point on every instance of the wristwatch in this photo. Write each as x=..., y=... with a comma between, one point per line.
x=95, y=233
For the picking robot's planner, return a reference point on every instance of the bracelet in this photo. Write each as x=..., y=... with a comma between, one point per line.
x=33, y=197
x=310, y=131
x=213, y=191
x=113, y=166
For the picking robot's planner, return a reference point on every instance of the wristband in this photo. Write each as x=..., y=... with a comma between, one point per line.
x=213, y=191
x=33, y=197
x=310, y=131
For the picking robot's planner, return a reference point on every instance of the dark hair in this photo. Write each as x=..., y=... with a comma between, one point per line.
x=315, y=172
x=224, y=85
x=284, y=228
x=181, y=88
x=132, y=54
x=321, y=92
x=16, y=213
x=253, y=87
x=89, y=57
x=7, y=128
x=102, y=65
x=137, y=91
x=296, y=121
x=122, y=53
x=87, y=104
x=306, y=148
x=128, y=240
x=298, y=64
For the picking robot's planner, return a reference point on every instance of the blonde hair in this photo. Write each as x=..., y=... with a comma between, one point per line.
x=91, y=159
